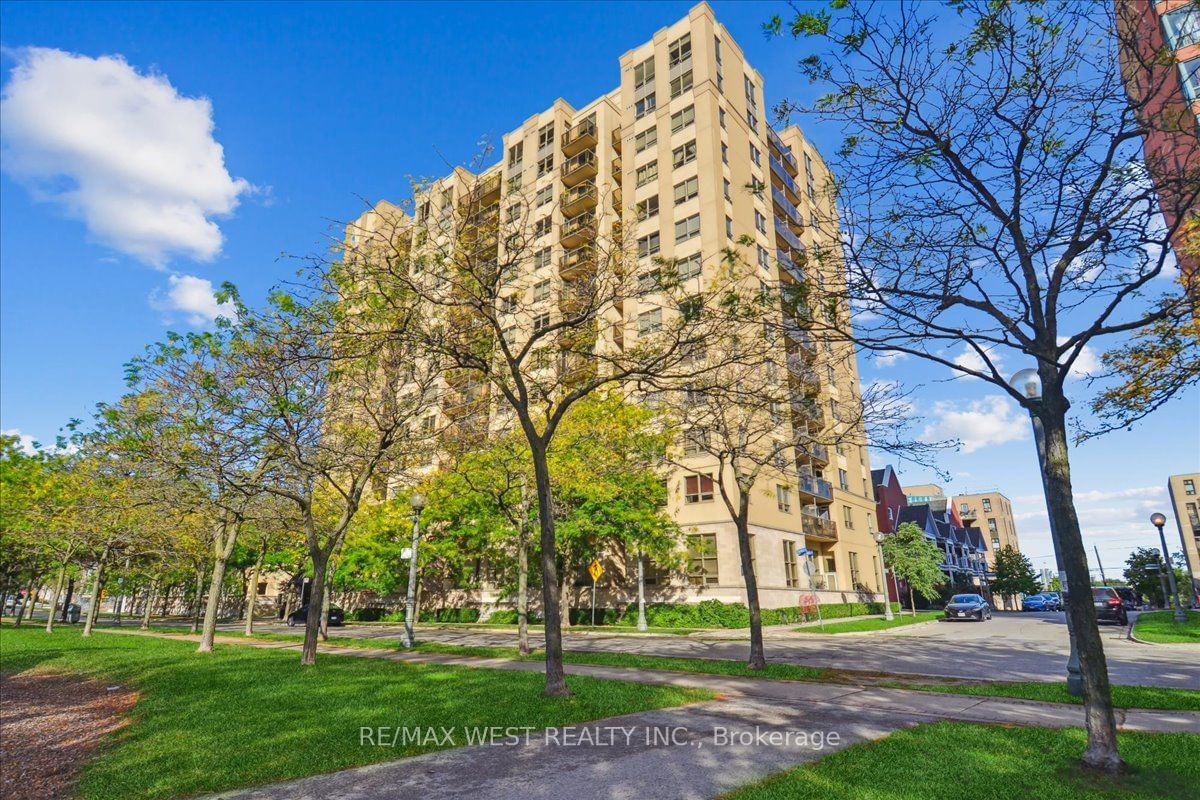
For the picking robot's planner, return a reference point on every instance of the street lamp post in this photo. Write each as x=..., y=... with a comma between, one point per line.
x=1158, y=520
x=410, y=609
x=887, y=600
x=1029, y=385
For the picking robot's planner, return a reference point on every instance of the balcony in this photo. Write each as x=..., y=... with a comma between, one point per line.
x=785, y=180
x=616, y=140
x=817, y=452
x=968, y=515
x=578, y=230
x=819, y=488
x=580, y=198
x=786, y=235
x=806, y=410
x=580, y=168
x=579, y=137
x=818, y=527
x=785, y=152
x=800, y=372
x=795, y=331
x=790, y=212
x=578, y=261
x=487, y=190
x=789, y=265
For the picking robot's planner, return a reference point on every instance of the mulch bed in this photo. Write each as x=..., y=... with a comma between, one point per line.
x=50, y=725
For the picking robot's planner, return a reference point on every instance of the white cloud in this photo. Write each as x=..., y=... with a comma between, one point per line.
x=1087, y=363
x=970, y=359
x=1096, y=495
x=995, y=419
x=24, y=440
x=194, y=298
x=123, y=151
x=889, y=359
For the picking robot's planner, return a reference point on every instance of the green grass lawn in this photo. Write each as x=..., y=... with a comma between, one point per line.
x=242, y=716
x=496, y=626
x=873, y=624
x=1160, y=627
x=1123, y=696
x=955, y=761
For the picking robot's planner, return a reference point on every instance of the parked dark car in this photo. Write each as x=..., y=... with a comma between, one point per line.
x=968, y=606
x=1129, y=598
x=300, y=616
x=1109, y=607
x=1040, y=602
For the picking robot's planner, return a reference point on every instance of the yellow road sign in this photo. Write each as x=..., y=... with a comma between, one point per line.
x=595, y=570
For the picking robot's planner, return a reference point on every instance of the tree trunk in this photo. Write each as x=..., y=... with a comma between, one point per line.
x=58, y=587
x=150, y=591
x=1101, y=752
x=912, y=603
x=200, y=572
x=758, y=659
x=641, y=623
x=325, y=601
x=523, y=588
x=28, y=603
x=66, y=600
x=556, y=679
x=223, y=542
x=97, y=583
x=316, y=608
x=252, y=590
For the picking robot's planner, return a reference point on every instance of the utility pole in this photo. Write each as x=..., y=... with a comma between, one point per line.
x=1101, y=563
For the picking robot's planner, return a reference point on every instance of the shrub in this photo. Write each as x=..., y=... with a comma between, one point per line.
x=715, y=614
x=366, y=614
x=508, y=616
x=448, y=615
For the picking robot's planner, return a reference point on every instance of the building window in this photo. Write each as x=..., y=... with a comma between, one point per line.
x=650, y=321
x=721, y=117
x=541, y=322
x=724, y=153
x=1182, y=26
x=684, y=154
x=643, y=73
x=728, y=228
x=991, y=525
x=764, y=258
x=647, y=208
x=681, y=84
x=679, y=50
x=541, y=227
x=702, y=559
x=694, y=442
x=848, y=517
x=647, y=173
x=688, y=267
x=515, y=153
x=644, y=106
x=645, y=139
x=727, y=188
x=681, y=119
x=546, y=136
x=756, y=156
x=760, y=221
x=854, y=574
x=1189, y=486
x=686, y=190
x=541, y=291
x=844, y=480
x=541, y=258
x=987, y=505
x=995, y=545
x=545, y=166
x=543, y=196
x=752, y=121
x=650, y=281
x=809, y=179
x=791, y=571
x=649, y=244
x=687, y=228
x=783, y=498
x=697, y=488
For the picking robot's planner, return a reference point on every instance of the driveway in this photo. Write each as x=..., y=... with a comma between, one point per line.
x=1012, y=646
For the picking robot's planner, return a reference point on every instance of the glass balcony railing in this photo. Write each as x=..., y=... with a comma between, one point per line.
x=784, y=233
x=784, y=178
x=787, y=207
x=818, y=487
x=785, y=152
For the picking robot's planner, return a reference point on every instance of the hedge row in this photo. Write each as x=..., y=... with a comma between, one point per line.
x=426, y=615
x=715, y=614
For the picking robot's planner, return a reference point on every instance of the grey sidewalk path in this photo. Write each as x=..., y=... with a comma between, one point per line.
x=927, y=706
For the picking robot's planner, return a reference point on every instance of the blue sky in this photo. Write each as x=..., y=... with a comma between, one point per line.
x=318, y=107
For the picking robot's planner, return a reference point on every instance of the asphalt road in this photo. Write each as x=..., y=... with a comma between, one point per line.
x=1011, y=646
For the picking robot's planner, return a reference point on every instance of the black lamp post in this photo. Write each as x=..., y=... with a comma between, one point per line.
x=1158, y=520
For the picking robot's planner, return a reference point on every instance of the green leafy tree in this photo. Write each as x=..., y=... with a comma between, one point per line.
x=1014, y=574
x=916, y=560
x=1142, y=570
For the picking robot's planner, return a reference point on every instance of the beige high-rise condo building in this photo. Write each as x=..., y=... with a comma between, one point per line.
x=991, y=512
x=1185, y=502
x=681, y=159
